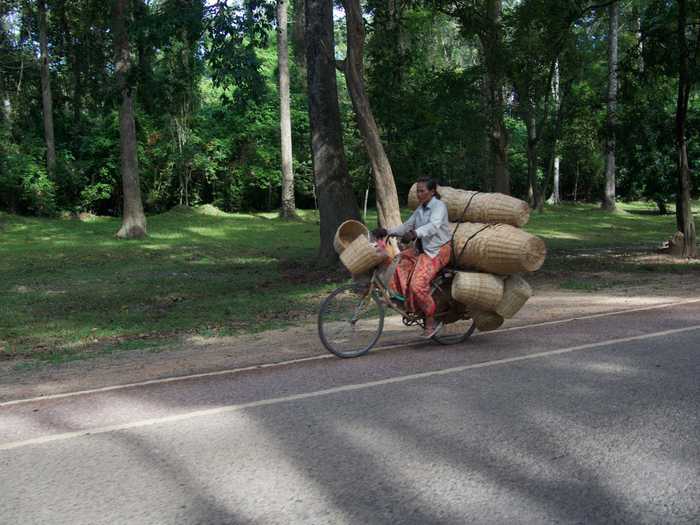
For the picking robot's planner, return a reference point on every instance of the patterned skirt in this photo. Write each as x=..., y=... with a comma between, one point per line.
x=414, y=275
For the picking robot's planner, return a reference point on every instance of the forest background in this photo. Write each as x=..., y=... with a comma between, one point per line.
x=524, y=97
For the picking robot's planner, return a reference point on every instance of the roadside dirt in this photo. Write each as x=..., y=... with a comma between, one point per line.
x=559, y=294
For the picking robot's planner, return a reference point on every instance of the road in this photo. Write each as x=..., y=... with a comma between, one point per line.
x=594, y=420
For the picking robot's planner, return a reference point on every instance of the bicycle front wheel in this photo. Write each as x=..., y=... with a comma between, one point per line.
x=350, y=321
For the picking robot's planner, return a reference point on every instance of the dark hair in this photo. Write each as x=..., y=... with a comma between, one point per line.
x=431, y=184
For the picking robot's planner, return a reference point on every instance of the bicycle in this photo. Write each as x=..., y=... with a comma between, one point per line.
x=351, y=318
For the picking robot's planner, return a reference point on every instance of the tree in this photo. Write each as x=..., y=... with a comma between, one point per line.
x=491, y=37
x=388, y=210
x=46, y=98
x=336, y=200
x=133, y=217
x=288, y=210
x=611, y=121
x=555, y=197
x=684, y=212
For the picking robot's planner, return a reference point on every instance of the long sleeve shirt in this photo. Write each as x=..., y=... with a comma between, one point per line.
x=430, y=224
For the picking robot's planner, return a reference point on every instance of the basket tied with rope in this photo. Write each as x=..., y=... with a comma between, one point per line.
x=487, y=207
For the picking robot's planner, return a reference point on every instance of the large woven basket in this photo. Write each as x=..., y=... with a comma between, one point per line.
x=482, y=291
x=516, y=292
x=361, y=256
x=348, y=232
x=487, y=321
x=483, y=207
x=497, y=248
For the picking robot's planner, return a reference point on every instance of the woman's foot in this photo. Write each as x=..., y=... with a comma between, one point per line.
x=431, y=328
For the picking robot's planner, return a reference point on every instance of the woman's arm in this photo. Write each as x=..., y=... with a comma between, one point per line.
x=437, y=217
x=409, y=225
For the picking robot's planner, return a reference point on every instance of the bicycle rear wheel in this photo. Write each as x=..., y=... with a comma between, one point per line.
x=455, y=333
x=350, y=321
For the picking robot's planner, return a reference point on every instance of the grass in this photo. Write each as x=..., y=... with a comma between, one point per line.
x=583, y=226
x=70, y=285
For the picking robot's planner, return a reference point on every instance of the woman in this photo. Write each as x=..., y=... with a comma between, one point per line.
x=419, y=265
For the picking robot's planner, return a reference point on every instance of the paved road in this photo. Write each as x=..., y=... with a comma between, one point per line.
x=590, y=421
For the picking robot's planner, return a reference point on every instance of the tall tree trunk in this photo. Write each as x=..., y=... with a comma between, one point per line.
x=46, y=98
x=684, y=212
x=388, y=208
x=336, y=200
x=555, y=198
x=288, y=210
x=491, y=43
x=133, y=219
x=611, y=123
x=533, y=192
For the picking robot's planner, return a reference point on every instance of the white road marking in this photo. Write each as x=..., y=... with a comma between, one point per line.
x=329, y=391
x=323, y=356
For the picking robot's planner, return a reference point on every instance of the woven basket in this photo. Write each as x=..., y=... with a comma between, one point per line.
x=497, y=248
x=361, y=256
x=482, y=291
x=487, y=321
x=483, y=207
x=516, y=292
x=348, y=232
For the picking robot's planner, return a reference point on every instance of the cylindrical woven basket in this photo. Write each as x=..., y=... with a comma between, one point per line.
x=361, y=256
x=481, y=291
x=487, y=321
x=483, y=207
x=516, y=292
x=348, y=232
x=497, y=248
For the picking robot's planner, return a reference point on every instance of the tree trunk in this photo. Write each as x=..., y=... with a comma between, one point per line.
x=336, y=201
x=555, y=198
x=491, y=43
x=533, y=191
x=684, y=212
x=609, y=198
x=288, y=210
x=46, y=98
x=133, y=220
x=388, y=210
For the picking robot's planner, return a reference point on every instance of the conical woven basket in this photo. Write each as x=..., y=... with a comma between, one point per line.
x=481, y=291
x=348, y=232
x=483, y=207
x=497, y=248
x=487, y=321
x=516, y=292
x=361, y=256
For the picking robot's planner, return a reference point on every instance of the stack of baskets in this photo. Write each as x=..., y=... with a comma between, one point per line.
x=492, y=249
x=357, y=252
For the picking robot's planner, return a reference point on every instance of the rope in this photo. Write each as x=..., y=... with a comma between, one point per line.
x=470, y=238
x=459, y=222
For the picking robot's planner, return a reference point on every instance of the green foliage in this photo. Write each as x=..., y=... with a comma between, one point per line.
x=207, y=103
x=418, y=69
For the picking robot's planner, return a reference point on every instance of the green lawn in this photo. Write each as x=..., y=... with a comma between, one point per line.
x=574, y=226
x=67, y=283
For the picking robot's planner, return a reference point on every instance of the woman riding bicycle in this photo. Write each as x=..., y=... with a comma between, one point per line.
x=419, y=265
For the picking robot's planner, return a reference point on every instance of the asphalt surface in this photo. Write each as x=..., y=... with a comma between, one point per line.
x=590, y=421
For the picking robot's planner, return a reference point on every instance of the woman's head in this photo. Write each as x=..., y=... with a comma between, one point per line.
x=426, y=189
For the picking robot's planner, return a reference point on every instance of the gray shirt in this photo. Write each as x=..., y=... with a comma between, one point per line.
x=431, y=226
